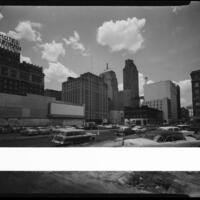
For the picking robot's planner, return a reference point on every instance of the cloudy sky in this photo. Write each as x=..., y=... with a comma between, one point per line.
x=164, y=42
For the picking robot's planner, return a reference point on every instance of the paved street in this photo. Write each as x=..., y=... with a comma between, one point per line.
x=105, y=138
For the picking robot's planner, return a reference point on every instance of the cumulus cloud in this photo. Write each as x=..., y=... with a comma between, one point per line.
x=1, y=16
x=3, y=33
x=122, y=34
x=141, y=84
x=26, y=59
x=55, y=74
x=74, y=42
x=51, y=51
x=26, y=30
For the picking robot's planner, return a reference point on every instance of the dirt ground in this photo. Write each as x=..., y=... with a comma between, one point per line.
x=101, y=182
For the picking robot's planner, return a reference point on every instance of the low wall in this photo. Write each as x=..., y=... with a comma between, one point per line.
x=30, y=106
x=33, y=110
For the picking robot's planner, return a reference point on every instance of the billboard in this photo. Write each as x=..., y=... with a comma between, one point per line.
x=66, y=110
x=9, y=43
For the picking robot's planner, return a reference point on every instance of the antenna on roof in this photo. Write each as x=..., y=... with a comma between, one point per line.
x=107, y=68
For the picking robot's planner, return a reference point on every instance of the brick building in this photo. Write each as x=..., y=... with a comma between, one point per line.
x=195, y=76
x=16, y=77
x=89, y=90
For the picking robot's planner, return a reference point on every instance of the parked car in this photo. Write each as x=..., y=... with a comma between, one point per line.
x=164, y=140
x=44, y=130
x=125, y=132
x=29, y=131
x=56, y=129
x=139, y=129
x=122, y=127
x=78, y=126
x=170, y=128
x=186, y=130
x=90, y=126
x=3, y=130
x=16, y=129
x=108, y=126
x=72, y=136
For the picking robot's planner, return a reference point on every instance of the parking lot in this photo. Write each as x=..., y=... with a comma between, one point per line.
x=17, y=140
x=107, y=137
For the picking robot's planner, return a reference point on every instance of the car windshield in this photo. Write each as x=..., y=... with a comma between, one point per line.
x=58, y=138
x=72, y=133
x=169, y=137
x=79, y=133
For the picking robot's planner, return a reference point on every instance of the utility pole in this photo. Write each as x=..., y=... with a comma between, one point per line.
x=123, y=138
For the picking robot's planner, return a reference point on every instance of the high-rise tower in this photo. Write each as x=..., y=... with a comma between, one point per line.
x=131, y=86
x=110, y=79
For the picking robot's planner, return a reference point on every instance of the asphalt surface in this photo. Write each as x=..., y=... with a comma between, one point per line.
x=105, y=138
x=16, y=140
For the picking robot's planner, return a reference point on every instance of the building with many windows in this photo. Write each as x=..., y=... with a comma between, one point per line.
x=89, y=90
x=162, y=105
x=109, y=77
x=16, y=77
x=130, y=85
x=195, y=76
x=165, y=96
x=143, y=115
x=190, y=109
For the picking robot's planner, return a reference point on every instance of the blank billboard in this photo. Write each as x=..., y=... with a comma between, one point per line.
x=66, y=110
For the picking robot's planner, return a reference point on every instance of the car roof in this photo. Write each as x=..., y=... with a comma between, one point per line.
x=71, y=130
x=166, y=127
x=140, y=141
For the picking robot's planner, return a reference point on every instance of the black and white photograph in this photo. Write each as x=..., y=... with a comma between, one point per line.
x=100, y=76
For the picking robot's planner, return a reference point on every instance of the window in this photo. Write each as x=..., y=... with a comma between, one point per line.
x=13, y=73
x=197, y=91
x=196, y=76
x=4, y=71
x=196, y=85
x=197, y=103
x=36, y=79
x=24, y=76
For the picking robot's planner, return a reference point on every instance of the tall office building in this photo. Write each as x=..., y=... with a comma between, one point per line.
x=130, y=83
x=109, y=77
x=163, y=95
x=178, y=102
x=15, y=77
x=195, y=76
x=90, y=90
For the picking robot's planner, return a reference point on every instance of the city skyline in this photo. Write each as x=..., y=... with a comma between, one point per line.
x=69, y=41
